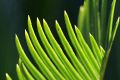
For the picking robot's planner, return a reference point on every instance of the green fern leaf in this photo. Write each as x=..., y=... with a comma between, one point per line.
x=84, y=59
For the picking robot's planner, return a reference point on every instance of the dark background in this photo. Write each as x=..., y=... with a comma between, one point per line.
x=13, y=19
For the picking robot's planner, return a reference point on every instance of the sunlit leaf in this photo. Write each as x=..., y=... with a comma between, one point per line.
x=83, y=57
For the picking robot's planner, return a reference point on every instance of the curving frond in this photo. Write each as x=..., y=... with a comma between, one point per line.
x=83, y=59
x=52, y=62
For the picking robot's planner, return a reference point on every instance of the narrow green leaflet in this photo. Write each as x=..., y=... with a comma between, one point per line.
x=19, y=73
x=103, y=20
x=42, y=53
x=83, y=20
x=28, y=75
x=27, y=62
x=37, y=59
x=59, y=52
x=110, y=23
x=87, y=50
x=79, y=67
x=96, y=50
x=102, y=52
x=52, y=53
x=115, y=30
x=21, y=68
x=24, y=71
x=94, y=26
x=8, y=77
x=78, y=49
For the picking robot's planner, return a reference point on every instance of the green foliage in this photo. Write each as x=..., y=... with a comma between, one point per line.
x=83, y=59
x=93, y=19
x=8, y=77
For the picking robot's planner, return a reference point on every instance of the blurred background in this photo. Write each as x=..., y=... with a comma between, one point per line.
x=13, y=20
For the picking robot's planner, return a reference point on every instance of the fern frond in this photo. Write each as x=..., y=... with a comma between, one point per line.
x=53, y=63
x=95, y=23
x=84, y=59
